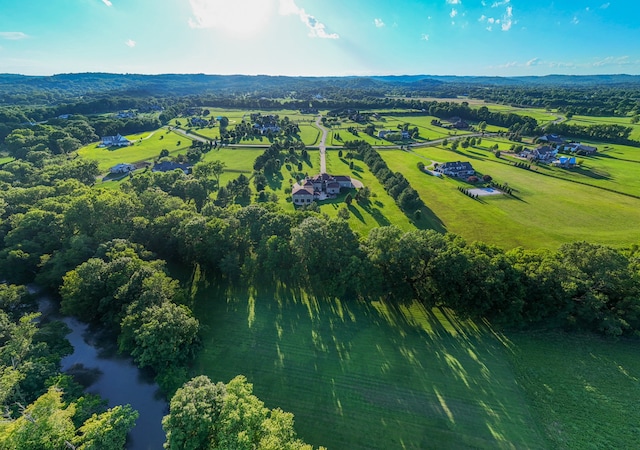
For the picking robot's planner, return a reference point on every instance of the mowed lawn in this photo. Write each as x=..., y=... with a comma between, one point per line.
x=591, y=120
x=146, y=147
x=367, y=375
x=381, y=210
x=309, y=133
x=545, y=212
x=583, y=389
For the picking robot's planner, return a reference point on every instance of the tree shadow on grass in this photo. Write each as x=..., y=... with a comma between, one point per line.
x=356, y=213
x=428, y=220
x=275, y=180
x=591, y=173
x=368, y=366
x=377, y=215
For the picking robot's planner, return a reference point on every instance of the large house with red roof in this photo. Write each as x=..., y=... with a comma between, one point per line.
x=319, y=187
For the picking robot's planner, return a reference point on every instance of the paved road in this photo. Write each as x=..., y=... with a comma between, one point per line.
x=322, y=146
x=193, y=137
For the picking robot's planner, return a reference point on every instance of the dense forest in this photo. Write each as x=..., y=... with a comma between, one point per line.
x=606, y=95
x=105, y=252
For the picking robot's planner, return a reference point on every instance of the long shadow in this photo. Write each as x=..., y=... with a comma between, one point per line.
x=275, y=181
x=591, y=173
x=357, y=214
x=380, y=218
x=429, y=220
x=346, y=367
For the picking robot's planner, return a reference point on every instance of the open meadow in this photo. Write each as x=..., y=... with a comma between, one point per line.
x=309, y=133
x=367, y=375
x=364, y=375
x=591, y=120
x=146, y=146
x=550, y=206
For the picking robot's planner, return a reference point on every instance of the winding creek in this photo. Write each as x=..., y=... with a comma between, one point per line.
x=115, y=378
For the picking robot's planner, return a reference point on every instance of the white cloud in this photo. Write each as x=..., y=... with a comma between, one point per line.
x=491, y=20
x=454, y=2
x=605, y=5
x=612, y=61
x=453, y=13
x=378, y=23
x=507, y=19
x=425, y=37
x=482, y=18
x=316, y=29
x=13, y=35
x=130, y=43
x=502, y=3
x=532, y=62
x=107, y=2
x=575, y=20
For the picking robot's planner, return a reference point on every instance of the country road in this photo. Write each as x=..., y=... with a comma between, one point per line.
x=322, y=146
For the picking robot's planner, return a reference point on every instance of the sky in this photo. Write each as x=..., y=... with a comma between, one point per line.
x=321, y=37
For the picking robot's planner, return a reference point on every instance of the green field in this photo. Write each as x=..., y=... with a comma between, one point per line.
x=380, y=211
x=146, y=147
x=624, y=121
x=583, y=389
x=365, y=375
x=547, y=209
x=309, y=133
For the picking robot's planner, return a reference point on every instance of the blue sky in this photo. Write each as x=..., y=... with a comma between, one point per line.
x=320, y=37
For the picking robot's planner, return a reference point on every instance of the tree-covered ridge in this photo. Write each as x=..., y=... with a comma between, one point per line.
x=585, y=95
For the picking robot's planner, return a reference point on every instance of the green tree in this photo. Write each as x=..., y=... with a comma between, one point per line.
x=106, y=431
x=164, y=336
x=44, y=425
x=193, y=412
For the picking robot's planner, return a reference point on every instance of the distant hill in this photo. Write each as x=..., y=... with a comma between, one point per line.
x=56, y=89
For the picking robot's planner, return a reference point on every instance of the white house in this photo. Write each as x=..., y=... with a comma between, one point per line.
x=456, y=169
x=115, y=141
x=122, y=168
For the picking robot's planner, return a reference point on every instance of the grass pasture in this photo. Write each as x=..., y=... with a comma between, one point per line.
x=545, y=212
x=367, y=375
x=583, y=389
x=381, y=210
x=309, y=133
x=591, y=120
x=146, y=147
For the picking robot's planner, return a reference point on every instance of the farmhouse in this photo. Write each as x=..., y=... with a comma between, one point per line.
x=383, y=133
x=168, y=166
x=319, y=187
x=552, y=139
x=458, y=123
x=122, y=168
x=580, y=149
x=198, y=122
x=543, y=154
x=115, y=141
x=125, y=115
x=303, y=195
x=456, y=169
